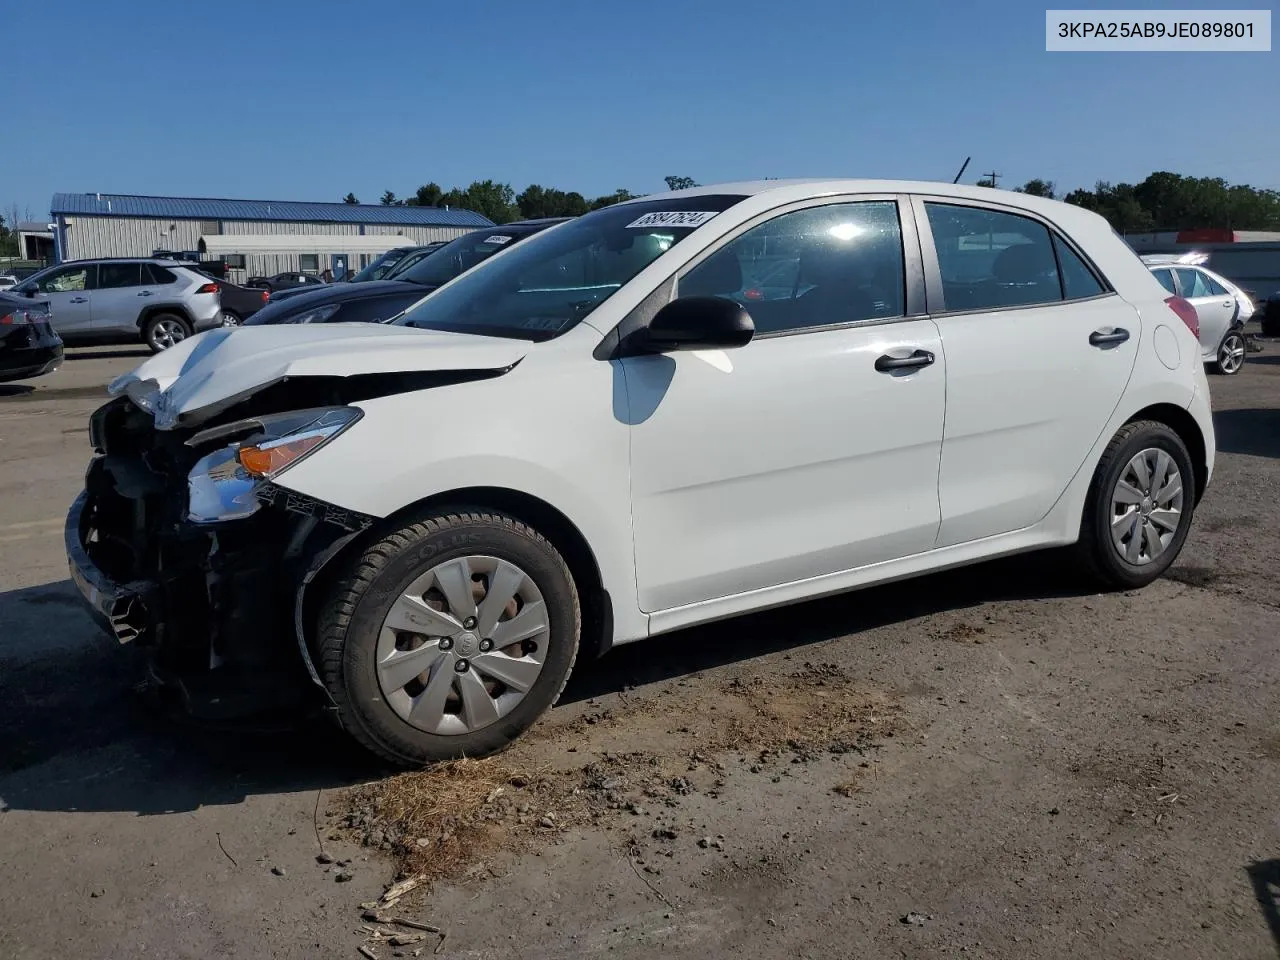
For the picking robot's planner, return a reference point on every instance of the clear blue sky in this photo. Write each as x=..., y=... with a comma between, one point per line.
x=307, y=100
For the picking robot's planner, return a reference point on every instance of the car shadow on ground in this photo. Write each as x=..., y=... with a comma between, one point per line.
x=15, y=389
x=78, y=736
x=1265, y=875
x=1255, y=432
x=141, y=353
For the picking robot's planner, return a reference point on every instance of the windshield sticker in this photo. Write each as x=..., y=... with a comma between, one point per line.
x=674, y=218
x=497, y=239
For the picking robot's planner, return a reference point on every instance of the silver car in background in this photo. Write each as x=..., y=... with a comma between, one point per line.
x=1223, y=308
x=157, y=302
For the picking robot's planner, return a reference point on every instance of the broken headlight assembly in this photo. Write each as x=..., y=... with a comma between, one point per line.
x=224, y=485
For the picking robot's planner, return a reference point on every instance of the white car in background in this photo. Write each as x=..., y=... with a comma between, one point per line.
x=7, y=281
x=1221, y=306
x=595, y=436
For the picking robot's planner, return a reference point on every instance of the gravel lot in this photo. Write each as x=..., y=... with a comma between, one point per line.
x=990, y=763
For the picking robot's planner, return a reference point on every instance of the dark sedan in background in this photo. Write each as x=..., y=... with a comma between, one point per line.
x=29, y=346
x=386, y=267
x=284, y=281
x=378, y=300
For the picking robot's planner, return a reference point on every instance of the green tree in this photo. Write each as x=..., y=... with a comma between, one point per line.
x=389, y=199
x=618, y=196
x=350, y=198
x=1037, y=188
x=679, y=183
x=428, y=195
x=493, y=200
x=986, y=182
x=8, y=241
x=538, y=201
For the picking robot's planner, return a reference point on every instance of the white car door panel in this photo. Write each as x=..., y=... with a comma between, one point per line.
x=1216, y=311
x=1029, y=387
x=785, y=459
x=69, y=293
x=793, y=456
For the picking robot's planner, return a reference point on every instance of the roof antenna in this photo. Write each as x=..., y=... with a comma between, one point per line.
x=963, y=168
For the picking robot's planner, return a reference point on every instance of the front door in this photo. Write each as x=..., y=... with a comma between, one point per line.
x=68, y=291
x=802, y=453
x=1038, y=355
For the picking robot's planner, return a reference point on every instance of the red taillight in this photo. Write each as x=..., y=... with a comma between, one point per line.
x=1186, y=312
x=208, y=288
x=266, y=295
x=753, y=294
x=6, y=320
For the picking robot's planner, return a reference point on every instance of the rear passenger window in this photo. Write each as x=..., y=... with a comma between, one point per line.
x=1193, y=284
x=991, y=259
x=1078, y=280
x=1215, y=288
x=1166, y=279
x=156, y=276
x=112, y=275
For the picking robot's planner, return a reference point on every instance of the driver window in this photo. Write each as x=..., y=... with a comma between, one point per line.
x=66, y=281
x=833, y=264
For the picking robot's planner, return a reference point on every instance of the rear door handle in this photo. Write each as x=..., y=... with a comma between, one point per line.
x=146, y=293
x=1100, y=339
x=79, y=300
x=888, y=364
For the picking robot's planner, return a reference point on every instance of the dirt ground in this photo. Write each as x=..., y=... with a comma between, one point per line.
x=990, y=763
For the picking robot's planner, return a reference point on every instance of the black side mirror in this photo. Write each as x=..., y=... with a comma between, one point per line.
x=699, y=323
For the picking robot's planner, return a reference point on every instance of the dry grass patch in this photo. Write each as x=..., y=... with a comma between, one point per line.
x=607, y=767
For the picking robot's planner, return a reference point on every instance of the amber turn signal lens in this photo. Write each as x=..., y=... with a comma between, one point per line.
x=264, y=461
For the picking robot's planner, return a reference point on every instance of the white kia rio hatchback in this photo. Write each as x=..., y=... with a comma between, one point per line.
x=669, y=411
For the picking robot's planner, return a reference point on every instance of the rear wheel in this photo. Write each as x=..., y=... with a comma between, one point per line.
x=449, y=638
x=231, y=319
x=164, y=330
x=1230, y=356
x=1140, y=505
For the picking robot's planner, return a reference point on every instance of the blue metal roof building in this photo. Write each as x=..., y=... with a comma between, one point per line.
x=193, y=208
x=278, y=235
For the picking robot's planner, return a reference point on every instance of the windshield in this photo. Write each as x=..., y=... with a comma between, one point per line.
x=440, y=266
x=554, y=279
x=409, y=261
x=380, y=267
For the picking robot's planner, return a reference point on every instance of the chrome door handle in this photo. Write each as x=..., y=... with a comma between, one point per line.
x=79, y=300
x=146, y=293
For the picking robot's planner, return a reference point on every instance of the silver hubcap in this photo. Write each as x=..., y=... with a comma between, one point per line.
x=1231, y=353
x=166, y=333
x=463, y=645
x=1146, y=506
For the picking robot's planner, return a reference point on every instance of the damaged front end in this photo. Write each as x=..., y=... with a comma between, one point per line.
x=183, y=545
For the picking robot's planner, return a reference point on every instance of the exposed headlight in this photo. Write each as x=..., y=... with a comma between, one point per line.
x=224, y=484
x=319, y=314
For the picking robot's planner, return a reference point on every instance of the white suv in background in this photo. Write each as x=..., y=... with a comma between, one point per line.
x=1221, y=307
x=160, y=302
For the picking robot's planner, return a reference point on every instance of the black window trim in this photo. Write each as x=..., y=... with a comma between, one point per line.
x=933, y=272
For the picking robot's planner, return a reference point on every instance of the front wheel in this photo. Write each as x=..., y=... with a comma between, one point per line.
x=1139, y=507
x=1230, y=356
x=449, y=637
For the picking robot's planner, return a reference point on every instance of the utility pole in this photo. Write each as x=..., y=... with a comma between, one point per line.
x=993, y=177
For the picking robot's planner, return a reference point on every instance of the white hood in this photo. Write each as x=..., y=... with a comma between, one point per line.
x=230, y=364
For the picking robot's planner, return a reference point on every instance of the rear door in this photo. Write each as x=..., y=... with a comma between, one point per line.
x=1038, y=353
x=118, y=298
x=1215, y=307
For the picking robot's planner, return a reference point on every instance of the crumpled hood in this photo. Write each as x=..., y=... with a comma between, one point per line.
x=224, y=366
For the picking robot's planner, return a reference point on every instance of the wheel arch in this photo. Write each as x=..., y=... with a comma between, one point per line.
x=1181, y=422
x=563, y=534
x=176, y=309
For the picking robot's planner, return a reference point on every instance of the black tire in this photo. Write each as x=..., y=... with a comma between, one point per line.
x=231, y=319
x=1222, y=363
x=155, y=325
x=1095, y=546
x=352, y=619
